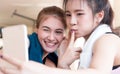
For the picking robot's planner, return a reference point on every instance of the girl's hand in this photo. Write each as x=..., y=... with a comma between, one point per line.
x=70, y=55
x=29, y=67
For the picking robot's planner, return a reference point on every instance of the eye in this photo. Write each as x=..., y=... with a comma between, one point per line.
x=59, y=32
x=45, y=29
x=68, y=15
x=80, y=14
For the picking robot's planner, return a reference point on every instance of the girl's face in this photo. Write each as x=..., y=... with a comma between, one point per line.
x=50, y=33
x=79, y=18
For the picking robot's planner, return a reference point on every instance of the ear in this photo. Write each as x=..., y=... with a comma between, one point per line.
x=99, y=16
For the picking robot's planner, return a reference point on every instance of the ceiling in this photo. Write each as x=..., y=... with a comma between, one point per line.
x=13, y=12
x=30, y=9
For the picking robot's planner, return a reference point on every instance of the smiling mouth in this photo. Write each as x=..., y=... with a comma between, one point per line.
x=50, y=44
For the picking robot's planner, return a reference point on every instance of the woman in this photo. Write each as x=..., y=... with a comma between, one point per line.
x=49, y=34
x=50, y=29
x=91, y=19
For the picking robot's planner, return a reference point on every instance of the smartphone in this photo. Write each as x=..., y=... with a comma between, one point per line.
x=15, y=43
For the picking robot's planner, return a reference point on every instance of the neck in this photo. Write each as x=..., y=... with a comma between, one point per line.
x=44, y=54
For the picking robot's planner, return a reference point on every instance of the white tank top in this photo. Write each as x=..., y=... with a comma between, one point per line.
x=86, y=55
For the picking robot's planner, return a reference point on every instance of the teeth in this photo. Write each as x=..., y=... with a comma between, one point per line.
x=50, y=44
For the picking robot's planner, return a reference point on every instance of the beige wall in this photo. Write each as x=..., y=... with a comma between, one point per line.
x=116, y=8
x=115, y=4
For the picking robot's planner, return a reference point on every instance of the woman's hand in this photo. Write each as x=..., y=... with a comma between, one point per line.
x=29, y=67
x=70, y=54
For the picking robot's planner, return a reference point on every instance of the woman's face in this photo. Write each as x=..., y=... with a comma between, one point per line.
x=79, y=17
x=50, y=33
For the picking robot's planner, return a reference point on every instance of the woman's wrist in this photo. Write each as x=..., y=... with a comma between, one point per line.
x=63, y=65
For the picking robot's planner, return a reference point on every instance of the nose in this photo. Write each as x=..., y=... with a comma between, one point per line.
x=51, y=37
x=73, y=20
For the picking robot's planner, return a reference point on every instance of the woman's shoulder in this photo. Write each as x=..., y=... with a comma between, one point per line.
x=109, y=37
x=108, y=41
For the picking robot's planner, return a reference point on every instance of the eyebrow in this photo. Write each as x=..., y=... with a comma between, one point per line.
x=77, y=10
x=49, y=28
x=60, y=29
x=45, y=27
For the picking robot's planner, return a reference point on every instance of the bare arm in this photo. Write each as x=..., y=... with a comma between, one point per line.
x=103, y=57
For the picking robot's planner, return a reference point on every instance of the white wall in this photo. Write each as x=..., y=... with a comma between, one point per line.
x=116, y=8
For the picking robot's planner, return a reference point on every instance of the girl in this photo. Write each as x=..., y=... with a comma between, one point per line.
x=91, y=19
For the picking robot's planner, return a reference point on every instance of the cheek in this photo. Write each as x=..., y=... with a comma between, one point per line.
x=60, y=38
x=86, y=21
x=41, y=35
x=68, y=21
x=40, y=38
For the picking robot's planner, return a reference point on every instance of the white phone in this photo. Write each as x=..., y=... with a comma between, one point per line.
x=15, y=42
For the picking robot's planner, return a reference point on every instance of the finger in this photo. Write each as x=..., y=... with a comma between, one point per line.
x=72, y=39
x=11, y=60
x=77, y=52
x=69, y=35
x=1, y=72
x=78, y=49
x=9, y=71
x=63, y=45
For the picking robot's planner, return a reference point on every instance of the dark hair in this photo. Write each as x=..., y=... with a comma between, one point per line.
x=97, y=6
x=51, y=11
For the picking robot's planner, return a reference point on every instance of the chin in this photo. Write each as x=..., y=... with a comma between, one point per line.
x=78, y=36
x=50, y=50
